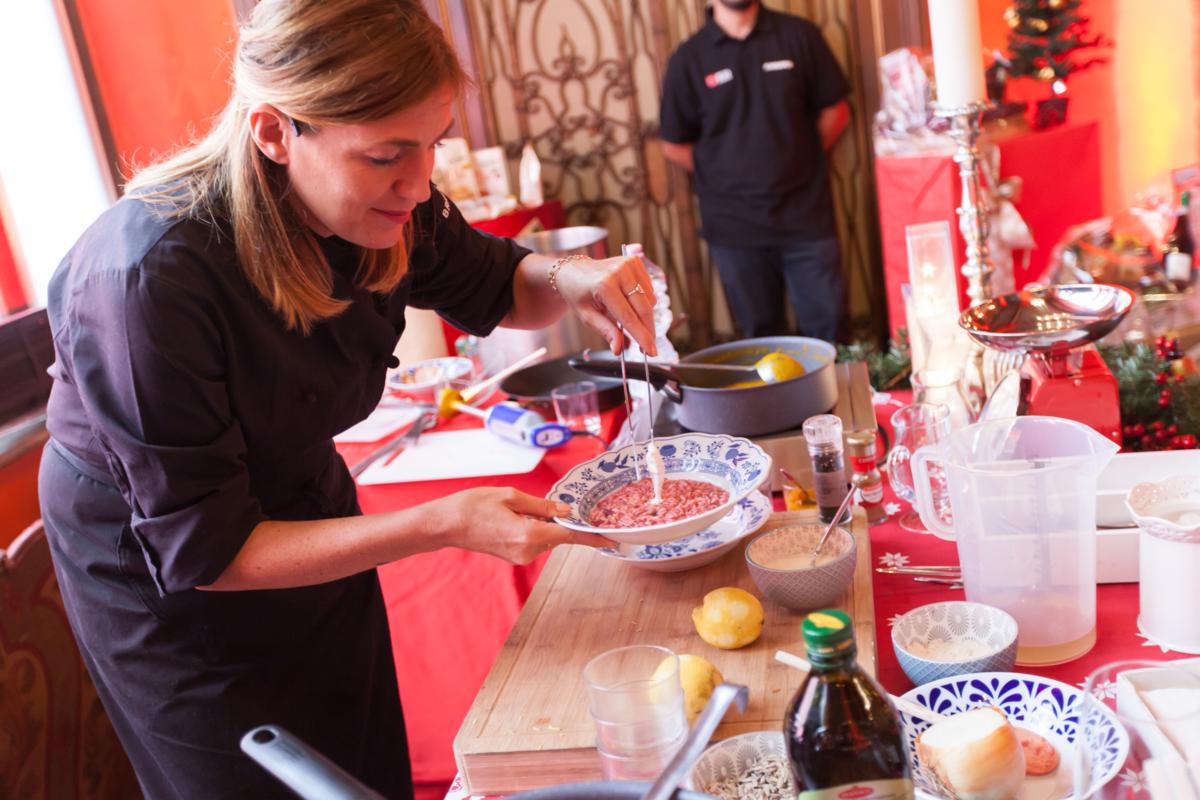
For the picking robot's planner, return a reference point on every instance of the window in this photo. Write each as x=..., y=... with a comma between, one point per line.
x=51, y=182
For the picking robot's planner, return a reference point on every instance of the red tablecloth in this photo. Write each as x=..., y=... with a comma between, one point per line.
x=549, y=215
x=450, y=611
x=913, y=189
x=1117, y=604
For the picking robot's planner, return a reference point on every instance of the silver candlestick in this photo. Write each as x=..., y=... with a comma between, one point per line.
x=973, y=212
x=974, y=222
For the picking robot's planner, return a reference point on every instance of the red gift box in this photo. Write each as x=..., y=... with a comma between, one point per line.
x=1060, y=172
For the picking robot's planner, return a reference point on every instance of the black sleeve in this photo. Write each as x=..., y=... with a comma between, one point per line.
x=463, y=274
x=148, y=364
x=679, y=117
x=827, y=80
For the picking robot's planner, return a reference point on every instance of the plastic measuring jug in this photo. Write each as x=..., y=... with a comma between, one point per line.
x=1022, y=494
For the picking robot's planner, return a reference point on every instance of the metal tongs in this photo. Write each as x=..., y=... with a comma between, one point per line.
x=426, y=418
x=723, y=696
x=625, y=384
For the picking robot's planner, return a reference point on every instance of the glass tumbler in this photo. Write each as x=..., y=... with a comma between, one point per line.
x=914, y=426
x=577, y=405
x=636, y=702
x=1139, y=727
x=944, y=386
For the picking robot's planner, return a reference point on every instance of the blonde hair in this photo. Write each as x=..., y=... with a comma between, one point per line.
x=321, y=62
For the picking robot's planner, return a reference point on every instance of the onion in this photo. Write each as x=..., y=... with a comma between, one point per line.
x=974, y=755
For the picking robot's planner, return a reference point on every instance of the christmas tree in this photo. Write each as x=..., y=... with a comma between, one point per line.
x=1044, y=35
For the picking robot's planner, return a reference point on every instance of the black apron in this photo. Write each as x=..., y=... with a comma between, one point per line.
x=183, y=414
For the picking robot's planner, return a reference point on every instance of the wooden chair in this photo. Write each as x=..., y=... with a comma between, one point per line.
x=55, y=739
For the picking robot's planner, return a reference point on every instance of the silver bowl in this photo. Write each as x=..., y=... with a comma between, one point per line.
x=1052, y=319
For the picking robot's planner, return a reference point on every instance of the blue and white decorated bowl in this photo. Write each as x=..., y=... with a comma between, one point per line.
x=1046, y=707
x=700, y=548
x=735, y=464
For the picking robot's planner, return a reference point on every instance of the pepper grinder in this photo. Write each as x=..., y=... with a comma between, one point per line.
x=823, y=433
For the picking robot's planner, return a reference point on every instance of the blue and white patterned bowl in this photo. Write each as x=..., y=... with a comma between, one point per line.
x=952, y=622
x=735, y=464
x=700, y=548
x=1044, y=706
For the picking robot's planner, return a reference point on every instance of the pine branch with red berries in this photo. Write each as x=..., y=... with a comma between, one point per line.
x=1159, y=391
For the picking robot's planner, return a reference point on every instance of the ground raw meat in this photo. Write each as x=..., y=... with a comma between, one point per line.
x=630, y=506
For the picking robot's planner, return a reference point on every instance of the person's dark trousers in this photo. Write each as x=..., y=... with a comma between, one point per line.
x=759, y=280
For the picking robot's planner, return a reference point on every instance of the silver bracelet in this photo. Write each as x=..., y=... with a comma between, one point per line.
x=556, y=266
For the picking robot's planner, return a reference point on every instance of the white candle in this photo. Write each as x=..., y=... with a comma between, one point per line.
x=957, y=52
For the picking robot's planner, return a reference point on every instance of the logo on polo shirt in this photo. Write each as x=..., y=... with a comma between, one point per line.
x=778, y=66
x=715, y=79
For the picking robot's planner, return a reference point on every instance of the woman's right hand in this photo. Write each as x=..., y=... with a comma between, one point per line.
x=506, y=523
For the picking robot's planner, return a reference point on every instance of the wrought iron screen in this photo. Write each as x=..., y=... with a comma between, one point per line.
x=581, y=79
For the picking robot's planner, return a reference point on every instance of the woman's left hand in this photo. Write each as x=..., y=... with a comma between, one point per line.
x=611, y=292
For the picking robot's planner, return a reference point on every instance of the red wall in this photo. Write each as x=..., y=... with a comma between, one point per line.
x=1091, y=92
x=162, y=69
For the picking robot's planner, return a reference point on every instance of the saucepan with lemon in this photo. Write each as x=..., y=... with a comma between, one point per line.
x=750, y=387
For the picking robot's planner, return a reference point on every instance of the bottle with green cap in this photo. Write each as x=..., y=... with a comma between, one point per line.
x=844, y=737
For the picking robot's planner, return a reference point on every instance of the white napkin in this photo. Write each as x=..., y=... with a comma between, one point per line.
x=382, y=422
x=1177, y=710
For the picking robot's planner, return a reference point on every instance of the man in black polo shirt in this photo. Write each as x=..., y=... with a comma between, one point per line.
x=751, y=103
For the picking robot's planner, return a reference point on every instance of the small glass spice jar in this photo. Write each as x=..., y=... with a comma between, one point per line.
x=823, y=434
x=864, y=475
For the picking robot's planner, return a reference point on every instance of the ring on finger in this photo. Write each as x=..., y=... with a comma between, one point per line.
x=635, y=290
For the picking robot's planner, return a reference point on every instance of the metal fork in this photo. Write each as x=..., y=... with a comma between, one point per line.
x=953, y=583
x=424, y=420
x=939, y=571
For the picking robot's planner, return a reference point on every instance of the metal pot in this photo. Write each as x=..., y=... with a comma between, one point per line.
x=584, y=240
x=531, y=387
x=709, y=403
x=314, y=777
x=570, y=334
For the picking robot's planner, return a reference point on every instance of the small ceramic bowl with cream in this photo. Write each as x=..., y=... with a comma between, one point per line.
x=780, y=562
x=940, y=640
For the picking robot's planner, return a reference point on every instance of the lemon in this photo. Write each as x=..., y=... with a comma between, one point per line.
x=698, y=677
x=776, y=367
x=730, y=618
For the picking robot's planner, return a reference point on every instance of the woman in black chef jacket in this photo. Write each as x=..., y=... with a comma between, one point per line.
x=213, y=330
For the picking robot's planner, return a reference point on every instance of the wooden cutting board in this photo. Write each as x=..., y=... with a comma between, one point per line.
x=529, y=725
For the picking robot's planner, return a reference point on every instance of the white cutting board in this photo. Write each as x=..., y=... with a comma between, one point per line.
x=454, y=454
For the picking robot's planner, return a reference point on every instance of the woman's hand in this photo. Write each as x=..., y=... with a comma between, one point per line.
x=506, y=523
x=604, y=293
